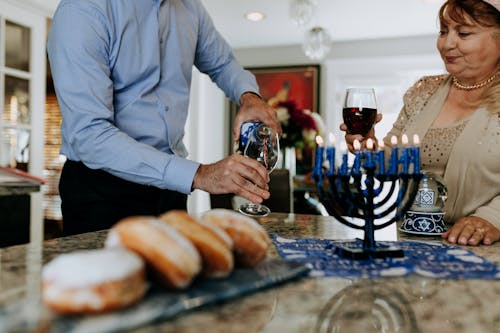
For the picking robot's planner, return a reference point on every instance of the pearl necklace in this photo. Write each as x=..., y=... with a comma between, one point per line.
x=463, y=86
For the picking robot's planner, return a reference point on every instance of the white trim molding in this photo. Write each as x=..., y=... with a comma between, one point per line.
x=45, y=8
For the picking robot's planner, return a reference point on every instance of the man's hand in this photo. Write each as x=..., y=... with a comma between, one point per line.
x=253, y=108
x=235, y=174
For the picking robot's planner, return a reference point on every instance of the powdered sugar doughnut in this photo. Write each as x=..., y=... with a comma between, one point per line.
x=93, y=281
x=170, y=254
x=214, y=244
x=250, y=240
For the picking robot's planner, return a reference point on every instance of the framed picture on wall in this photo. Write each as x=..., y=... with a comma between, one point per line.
x=298, y=83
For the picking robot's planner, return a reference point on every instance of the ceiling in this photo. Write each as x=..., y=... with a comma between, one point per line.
x=344, y=19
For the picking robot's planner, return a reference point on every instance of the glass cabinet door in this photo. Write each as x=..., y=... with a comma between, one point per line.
x=16, y=101
x=15, y=115
x=15, y=146
x=17, y=46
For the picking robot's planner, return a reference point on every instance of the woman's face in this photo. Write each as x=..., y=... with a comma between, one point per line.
x=470, y=52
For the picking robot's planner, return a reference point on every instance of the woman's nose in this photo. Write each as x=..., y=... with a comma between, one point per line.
x=450, y=40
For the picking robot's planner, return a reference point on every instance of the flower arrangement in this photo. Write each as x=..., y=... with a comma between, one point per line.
x=299, y=126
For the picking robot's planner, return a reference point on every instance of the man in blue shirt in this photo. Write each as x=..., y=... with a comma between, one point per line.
x=122, y=72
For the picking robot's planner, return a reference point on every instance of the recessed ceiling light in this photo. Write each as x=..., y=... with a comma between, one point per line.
x=255, y=16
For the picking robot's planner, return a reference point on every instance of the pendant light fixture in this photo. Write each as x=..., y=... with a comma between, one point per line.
x=302, y=11
x=317, y=43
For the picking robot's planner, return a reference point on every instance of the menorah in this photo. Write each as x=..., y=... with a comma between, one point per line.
x=342, y=193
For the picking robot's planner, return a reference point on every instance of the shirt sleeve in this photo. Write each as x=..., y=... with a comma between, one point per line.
x=78, y=48
x=215, y=58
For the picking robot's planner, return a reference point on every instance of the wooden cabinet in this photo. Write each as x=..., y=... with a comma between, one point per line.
x=15, y=207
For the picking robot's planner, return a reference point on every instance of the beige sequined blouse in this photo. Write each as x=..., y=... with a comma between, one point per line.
x=437, y=145
x=470, y=160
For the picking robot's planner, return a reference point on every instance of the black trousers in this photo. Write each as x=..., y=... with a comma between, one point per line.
x=94, y=199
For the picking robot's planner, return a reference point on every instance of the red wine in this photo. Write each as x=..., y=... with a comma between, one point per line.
x=359, y=121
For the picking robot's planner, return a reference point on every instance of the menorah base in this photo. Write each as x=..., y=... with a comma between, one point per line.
x=357, y=253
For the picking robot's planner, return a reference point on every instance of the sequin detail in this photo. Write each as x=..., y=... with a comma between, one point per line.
x=437, y=145
x=416, y=99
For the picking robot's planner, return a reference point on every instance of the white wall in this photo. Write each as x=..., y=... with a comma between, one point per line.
x=206, y=135
x=45, y=8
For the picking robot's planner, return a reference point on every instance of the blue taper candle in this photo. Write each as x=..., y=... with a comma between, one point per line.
x=416, y=154
x=369, y=158
x=330, y=154
x=344, y=165
x=405, y=154
x=317, y=171
x=381, y=157
x=356, y=167
x=393, y=159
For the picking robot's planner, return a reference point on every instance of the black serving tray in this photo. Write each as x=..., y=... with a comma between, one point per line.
x=157, y=305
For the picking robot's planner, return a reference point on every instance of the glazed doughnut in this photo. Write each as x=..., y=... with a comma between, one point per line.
x=171, y=256
x=93, y=281
x=214, y=244
x=250, y=240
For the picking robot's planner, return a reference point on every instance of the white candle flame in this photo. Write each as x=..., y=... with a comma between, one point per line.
x=416, y=139
x=380, y=144
x=394, y=140
x=369, y=144
x=356, y=144
x=319, y=141
x=404, y=139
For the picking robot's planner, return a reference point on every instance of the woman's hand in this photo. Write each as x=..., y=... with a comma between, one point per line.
x=349, y=138
x=472, y=230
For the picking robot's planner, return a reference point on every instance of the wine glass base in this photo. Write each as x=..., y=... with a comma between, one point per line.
x=254, y=210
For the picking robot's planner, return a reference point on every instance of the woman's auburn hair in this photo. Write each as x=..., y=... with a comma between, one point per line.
x=482, y=13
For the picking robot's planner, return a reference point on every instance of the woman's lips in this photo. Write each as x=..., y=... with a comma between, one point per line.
x=451, y=58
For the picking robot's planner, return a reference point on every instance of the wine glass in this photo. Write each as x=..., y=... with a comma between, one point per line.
x=262, y=146
x=360, y=110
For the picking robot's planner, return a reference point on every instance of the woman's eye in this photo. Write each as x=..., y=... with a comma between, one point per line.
x=443, y=32
x=463, y=34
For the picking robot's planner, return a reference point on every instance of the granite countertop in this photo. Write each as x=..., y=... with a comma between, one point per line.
x=16, y=184
x=304, y=305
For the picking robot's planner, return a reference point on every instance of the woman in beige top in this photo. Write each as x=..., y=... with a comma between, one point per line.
x=458, y=118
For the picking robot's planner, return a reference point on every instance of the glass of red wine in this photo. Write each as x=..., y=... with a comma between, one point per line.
x=360, y=110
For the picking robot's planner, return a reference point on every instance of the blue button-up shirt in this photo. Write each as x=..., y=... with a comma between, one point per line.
x=122, y=71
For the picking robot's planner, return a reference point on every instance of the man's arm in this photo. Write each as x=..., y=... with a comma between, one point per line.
x=78, y=47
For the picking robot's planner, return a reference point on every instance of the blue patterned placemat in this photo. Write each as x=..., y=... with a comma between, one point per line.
x=437, y=260
x=158, y=304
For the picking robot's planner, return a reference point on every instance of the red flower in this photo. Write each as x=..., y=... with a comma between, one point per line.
x=293, y=128
x=298, y=116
